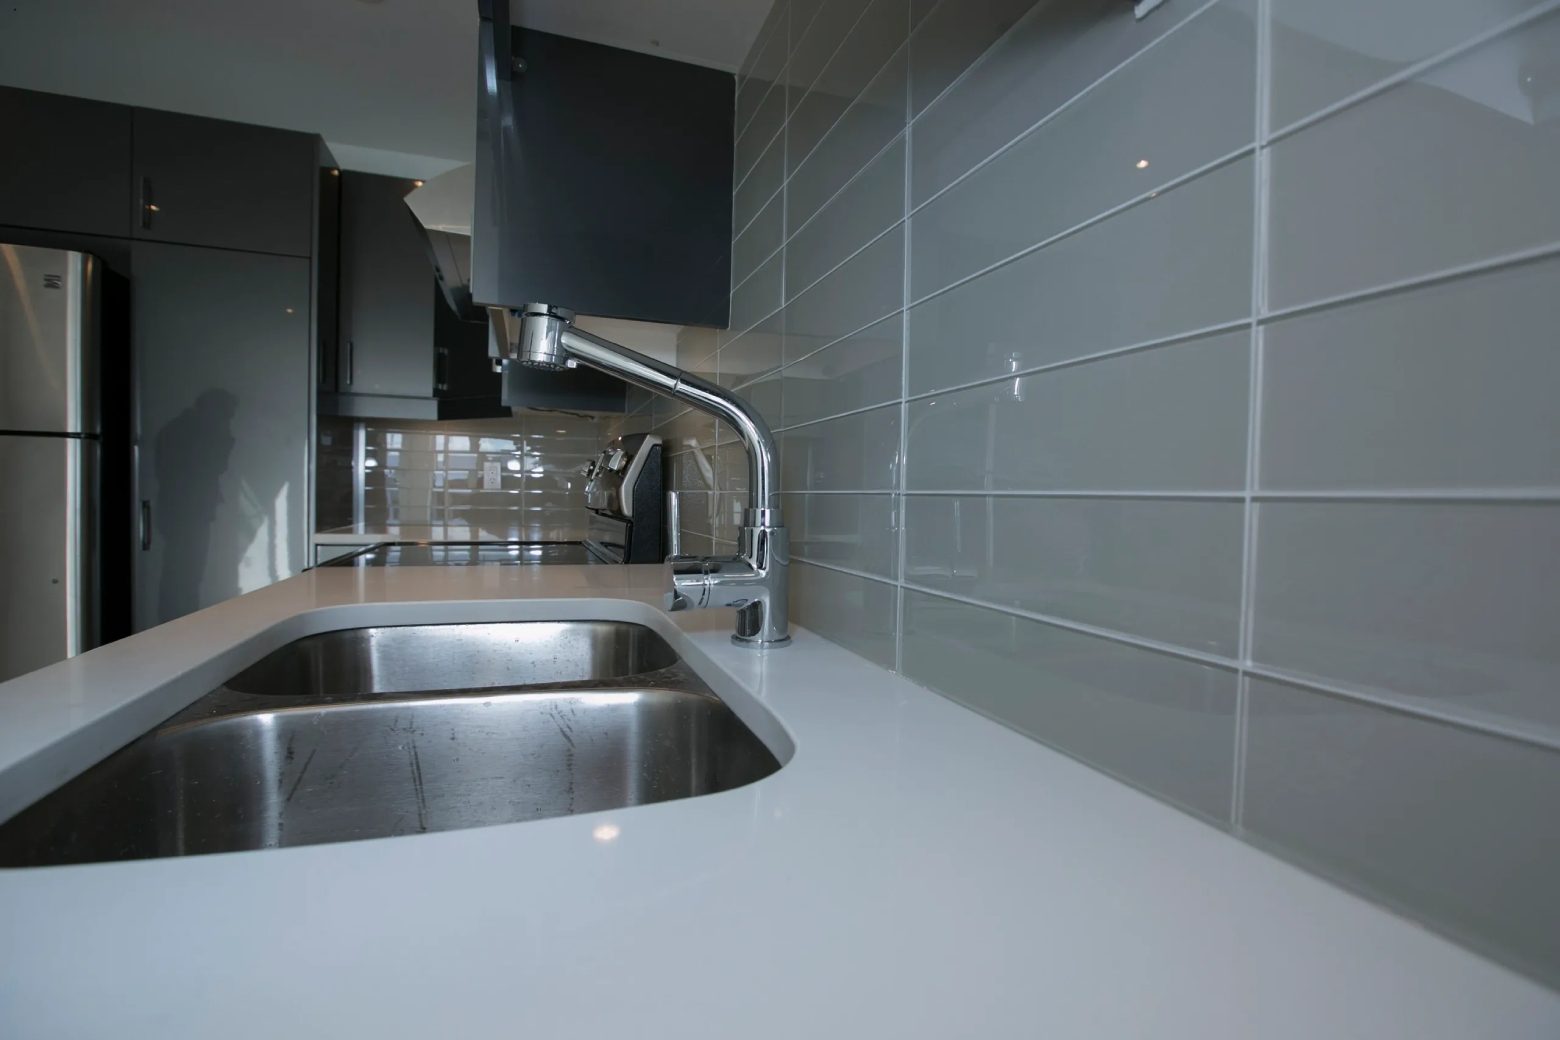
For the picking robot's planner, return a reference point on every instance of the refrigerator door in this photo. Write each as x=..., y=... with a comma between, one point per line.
x=48, y=551
x=48, y=299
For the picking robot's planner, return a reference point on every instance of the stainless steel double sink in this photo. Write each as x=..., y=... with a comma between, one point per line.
x=373, y=732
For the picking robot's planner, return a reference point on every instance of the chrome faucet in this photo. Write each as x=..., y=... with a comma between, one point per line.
x=755, y=580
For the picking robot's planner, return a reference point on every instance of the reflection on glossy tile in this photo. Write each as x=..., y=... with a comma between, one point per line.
x=1046, y=59
x=867, y=287
x=859, y=532
x=875, y=119
x=752, y=354
x=1451, y=386
x=758, y=241
x=1438, y=172
x=1170, y=265
x=852, y=453
x=953, y=36
x=765, y=396
x=759, y=296
x=1455, y=827
x=1178, y=107
x=1165, y=724
x=870, y=204
x=1455, y=603
x=814, y=44
x=1160, y=569
x=877, y=35
x=857, y=613
x=1168, y=419
x=857, y=372
x=1325, y=50
x=760, y=186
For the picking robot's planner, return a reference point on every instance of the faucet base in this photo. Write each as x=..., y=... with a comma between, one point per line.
x=754, y=643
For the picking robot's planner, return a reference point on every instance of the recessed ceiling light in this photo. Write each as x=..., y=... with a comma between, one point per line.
x=1142, y=164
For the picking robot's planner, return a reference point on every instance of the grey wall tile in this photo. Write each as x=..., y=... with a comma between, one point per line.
x=857, y=613
x=852, y=453
x=765, y=395
x=1326, y=50
x=859, y=532
x=867, y=287
x=761, y=184
x=1432, y=174
x=1455, y=603
x=857, y=372
x=775, y=22
x=1163, y=723
x=1178, y=107
x=1173, y=264
x=1046, y=59
x=867, y=206
x=814, y=44
x=875, y=119
x=952, y=36
x=1454, y=827
x=1452, y=386
x=1166, y=570
x=1168, y=419
x=759, y=296
x=768, y=121
x=758, y=241
x=765, y=76
x=752, y=354
x=880, y=32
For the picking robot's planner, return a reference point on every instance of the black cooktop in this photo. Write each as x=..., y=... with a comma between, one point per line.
x=463, y=554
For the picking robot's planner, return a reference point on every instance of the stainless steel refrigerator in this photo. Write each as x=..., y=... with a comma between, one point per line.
x=50, y=457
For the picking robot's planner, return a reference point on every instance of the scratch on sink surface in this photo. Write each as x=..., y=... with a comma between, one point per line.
x=422, y=798
x=301, y=773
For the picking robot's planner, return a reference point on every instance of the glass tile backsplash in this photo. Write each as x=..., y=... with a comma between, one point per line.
x=1180, y=393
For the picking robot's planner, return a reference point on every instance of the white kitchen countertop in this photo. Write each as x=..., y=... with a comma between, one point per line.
x=913, y=870
x=366, y=534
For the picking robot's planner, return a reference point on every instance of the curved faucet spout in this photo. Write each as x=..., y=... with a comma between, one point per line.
x=755, y=580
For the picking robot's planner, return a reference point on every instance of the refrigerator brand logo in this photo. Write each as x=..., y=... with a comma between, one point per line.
x=51, y=281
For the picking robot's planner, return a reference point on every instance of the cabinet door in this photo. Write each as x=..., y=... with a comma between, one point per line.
x=209, y=182
x=67, y=163
x=387, y=283
x=221, y=342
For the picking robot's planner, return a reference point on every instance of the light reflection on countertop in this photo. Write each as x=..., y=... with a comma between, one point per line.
x=913, y=870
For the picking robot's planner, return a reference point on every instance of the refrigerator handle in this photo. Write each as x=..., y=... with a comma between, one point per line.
x=146, y=524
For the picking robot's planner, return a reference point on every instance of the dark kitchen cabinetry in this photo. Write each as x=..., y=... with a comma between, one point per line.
x=603, y=180
x=221, y=345
x=66, y=164
x=402, y=352
x=210, y=182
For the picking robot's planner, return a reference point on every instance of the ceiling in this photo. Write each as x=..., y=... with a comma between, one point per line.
x=391, y=84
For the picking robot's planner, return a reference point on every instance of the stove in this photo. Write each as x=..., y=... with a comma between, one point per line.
x=625, y=492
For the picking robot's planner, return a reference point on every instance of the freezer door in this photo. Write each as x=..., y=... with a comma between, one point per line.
x=48, y=309
x=48, y=551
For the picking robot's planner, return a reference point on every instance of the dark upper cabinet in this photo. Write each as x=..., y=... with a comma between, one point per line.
x=209, y=182
x=603, y=179
x=66, y=165
x=386, y=343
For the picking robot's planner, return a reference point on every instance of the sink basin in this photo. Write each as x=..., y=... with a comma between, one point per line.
x=406, y=658
x=319, y=743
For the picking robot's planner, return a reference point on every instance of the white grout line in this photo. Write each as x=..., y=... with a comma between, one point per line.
x=739, y=181
x=1259, y=276
x=1142, y=198
x=1533, y=254
x=879, y=407
x=1150, y=496
x=901, y=465
x=1059, y=109
x=874, y=240
x=840, y=569
x=1414, y=71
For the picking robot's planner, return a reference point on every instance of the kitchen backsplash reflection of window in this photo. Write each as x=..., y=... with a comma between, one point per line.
x=521, y=478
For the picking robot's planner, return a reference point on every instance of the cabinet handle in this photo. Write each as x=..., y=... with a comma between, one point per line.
x=350, y=351
x=148, y=207
x=146, y=524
